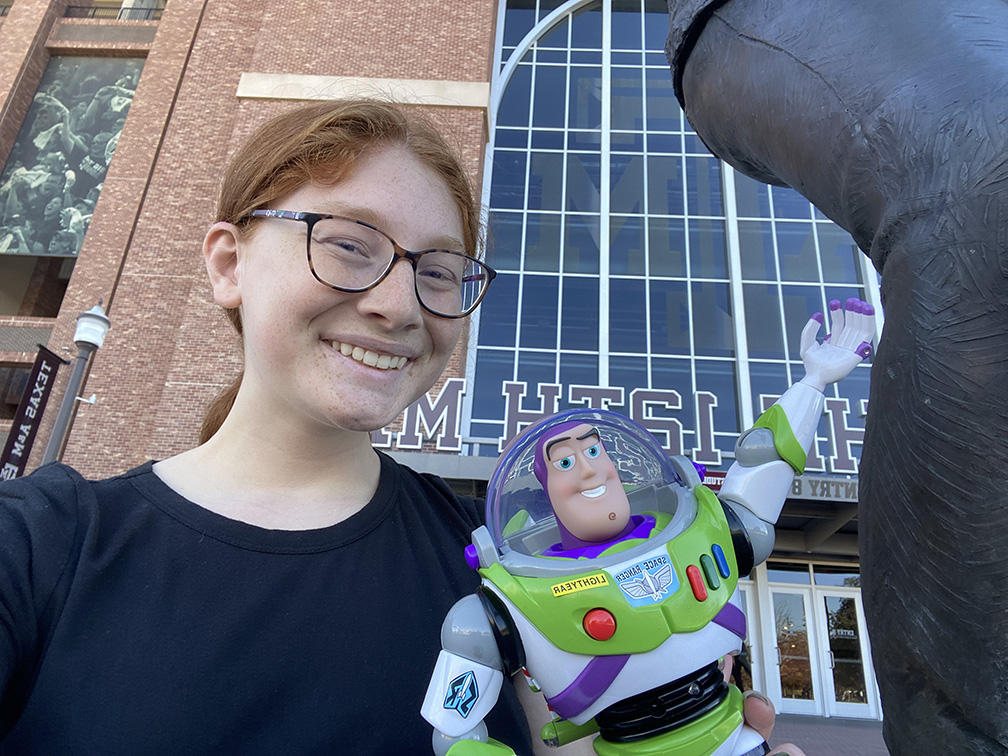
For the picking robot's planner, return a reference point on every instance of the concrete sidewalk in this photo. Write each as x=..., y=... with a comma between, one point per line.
x=819, y=736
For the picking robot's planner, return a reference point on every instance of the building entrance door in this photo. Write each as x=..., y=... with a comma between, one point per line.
x=822, y=658
x=848, y=682
x=796, y=680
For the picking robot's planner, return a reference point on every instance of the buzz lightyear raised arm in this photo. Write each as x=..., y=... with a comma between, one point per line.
x=773, y=451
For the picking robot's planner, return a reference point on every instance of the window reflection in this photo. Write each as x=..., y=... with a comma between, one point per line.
x=628, y=373
x=670, y=321
x=796, y=251
x=787, y=203
x=498, y=326
x=768, y=382
x=667, y=246
x=493, y=367
x=504, y=241
x=665, y=187
x=542, y=242
x=508, y=187
x=763, y=321
x=626, y=176
x=713, y=330
x=626, y=25
x=718, y=377
x=535, y=368
x=627, y=99
x=579, y=314
x=673, y=373
x=663, y=112
x=584, y=182
x=626, y=246
x=840, y=256
x=703, y=186
x=545, y=181
x=799, y=303
x=756, y=244
x=585, y=107
x=627, y=314
x=586, y=26
x=752, y=199
x=581, y=244
x=539, y=312
x=514, y=106
x=550, y=95
x=578, y=369
x=708, y=253
x=793, y=646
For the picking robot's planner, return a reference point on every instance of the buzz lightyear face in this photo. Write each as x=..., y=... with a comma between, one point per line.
x=583, y=486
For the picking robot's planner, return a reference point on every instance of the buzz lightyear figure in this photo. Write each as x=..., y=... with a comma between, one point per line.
x=609, y=574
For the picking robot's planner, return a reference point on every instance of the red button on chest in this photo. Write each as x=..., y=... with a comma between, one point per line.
x=599, y=624
x=696, y=582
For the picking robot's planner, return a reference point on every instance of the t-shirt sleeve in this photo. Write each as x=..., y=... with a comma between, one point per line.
x=38, y=527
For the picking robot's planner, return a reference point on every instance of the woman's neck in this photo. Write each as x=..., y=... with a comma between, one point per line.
x=277, y=475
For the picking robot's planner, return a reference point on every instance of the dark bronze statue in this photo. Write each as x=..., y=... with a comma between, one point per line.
x=891, y=116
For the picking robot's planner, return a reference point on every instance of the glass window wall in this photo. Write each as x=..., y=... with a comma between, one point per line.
x=629, y=259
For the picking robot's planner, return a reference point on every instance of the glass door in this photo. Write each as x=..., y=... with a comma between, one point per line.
x=848, y=682
x=797, y=677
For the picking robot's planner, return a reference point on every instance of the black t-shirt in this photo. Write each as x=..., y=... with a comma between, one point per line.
x=133, y=621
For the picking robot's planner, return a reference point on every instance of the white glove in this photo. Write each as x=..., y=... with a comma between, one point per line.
x=853, y=329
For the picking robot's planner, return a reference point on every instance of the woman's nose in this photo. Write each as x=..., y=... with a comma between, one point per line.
x=395, y=297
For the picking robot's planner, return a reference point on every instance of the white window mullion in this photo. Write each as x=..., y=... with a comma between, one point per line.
x=604, y=189
x=743, y=389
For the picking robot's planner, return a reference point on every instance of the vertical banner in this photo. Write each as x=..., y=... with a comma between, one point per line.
x=29, y=414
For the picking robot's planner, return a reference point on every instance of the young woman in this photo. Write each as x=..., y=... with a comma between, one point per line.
x=280, y=587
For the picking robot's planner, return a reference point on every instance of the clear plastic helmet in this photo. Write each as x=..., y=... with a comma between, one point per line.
x=518, y=511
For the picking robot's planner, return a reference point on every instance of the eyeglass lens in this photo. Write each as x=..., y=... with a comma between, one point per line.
x=352, y=256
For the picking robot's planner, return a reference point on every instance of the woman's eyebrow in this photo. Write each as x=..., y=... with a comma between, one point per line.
x=381, y=222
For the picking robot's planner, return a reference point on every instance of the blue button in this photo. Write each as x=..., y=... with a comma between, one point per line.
x=722, y=563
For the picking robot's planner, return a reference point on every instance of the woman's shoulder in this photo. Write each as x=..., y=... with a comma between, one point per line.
x=58, y=495
x=53, y=488
x=434, y=490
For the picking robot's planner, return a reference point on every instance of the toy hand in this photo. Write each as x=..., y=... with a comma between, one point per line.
x=849, y=342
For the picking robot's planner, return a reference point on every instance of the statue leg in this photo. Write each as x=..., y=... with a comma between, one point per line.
x=893, y=119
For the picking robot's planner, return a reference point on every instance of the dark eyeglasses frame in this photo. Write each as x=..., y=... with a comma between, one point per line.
x=310, y=219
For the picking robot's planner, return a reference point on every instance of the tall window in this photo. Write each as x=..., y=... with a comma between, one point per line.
x=620, y=265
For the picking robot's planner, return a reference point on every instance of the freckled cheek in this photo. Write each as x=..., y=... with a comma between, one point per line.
x=444, y=335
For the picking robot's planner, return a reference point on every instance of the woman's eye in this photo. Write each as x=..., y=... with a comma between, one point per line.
x=433, y=274
x=592, y=451
x=343, y=246
x=564, y=464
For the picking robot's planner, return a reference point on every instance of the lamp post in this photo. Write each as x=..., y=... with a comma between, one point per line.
x=90, y=334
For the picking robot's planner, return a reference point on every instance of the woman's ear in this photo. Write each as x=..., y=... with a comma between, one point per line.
x=220, y=253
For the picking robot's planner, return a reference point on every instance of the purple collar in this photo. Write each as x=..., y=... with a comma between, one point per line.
x=640, y=527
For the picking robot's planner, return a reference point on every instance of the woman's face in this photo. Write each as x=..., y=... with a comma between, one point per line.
x=352, y=361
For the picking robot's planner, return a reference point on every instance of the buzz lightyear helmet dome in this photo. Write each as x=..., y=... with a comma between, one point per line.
x=516, y=503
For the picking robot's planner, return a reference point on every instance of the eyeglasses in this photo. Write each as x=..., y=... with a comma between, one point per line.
x=354, y=256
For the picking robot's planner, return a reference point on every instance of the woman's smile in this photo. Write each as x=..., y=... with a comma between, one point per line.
x=369, y=357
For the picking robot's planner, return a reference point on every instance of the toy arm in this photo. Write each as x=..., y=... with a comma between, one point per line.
x=773, y=451
x=466, y=681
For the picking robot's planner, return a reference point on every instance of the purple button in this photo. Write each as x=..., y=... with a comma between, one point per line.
x=471, y=557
